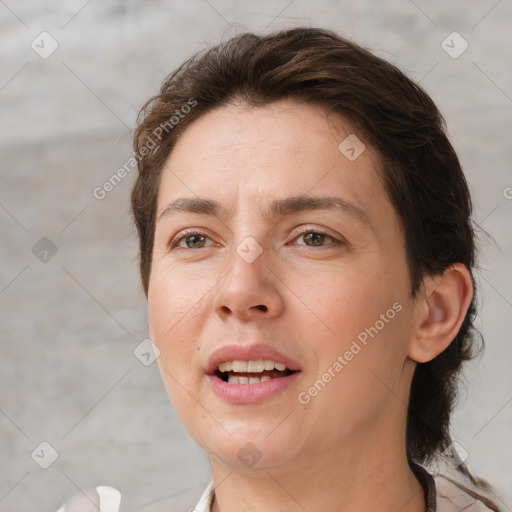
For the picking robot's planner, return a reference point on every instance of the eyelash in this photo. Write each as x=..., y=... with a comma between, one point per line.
x=175, y=242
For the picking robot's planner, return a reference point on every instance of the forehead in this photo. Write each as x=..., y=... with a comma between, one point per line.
x=239, y=154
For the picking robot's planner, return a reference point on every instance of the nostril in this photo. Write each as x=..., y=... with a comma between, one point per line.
x=262, y=307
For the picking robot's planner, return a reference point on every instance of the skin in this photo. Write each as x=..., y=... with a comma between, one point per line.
x=350, y=437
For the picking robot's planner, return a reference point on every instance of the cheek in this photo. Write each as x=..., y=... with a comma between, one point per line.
x=170, y=320
x=171, y=297
x=160, y=311
x=362, y=311
x=344, y=300
x=175, y=331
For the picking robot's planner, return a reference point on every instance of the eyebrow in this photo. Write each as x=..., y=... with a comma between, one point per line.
x=278, y=207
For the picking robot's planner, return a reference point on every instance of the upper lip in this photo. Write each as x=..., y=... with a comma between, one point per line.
x=232, y=352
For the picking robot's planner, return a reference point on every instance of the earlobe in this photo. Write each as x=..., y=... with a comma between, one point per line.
x=440, y=311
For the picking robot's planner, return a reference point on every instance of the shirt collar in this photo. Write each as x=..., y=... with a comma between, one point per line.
x=206, y=500
x=429, y=486
x=425, y=478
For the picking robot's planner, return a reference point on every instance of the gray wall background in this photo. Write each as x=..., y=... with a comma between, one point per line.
x=70, y=321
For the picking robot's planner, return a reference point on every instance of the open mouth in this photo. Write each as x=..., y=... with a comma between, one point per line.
x=232, y=377
x=251, y=372
x=251, y=381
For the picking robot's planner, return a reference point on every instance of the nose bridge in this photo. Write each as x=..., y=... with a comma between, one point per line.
x=247, y=287
x=247, y=227
x=247, y=262
x=249, y=250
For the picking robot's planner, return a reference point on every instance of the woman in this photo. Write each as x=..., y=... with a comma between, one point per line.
x=307, y=251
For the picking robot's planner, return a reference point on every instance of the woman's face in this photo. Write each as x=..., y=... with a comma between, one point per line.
x=325, y=291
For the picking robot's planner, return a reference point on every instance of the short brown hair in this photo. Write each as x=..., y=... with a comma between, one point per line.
x=419, y=170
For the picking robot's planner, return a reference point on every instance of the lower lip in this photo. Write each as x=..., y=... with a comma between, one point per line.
x=251, y=393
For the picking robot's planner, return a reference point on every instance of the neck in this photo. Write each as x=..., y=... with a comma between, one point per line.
x=366, y=474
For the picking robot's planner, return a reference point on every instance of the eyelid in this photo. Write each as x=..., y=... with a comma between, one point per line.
x=308, y=228
x=304, y=229
x=183, y=234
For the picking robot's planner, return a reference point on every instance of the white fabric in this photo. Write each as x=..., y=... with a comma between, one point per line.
x=449, y=498
x=108, y=500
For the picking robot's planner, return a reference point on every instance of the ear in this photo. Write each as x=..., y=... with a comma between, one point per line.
x=440, y=309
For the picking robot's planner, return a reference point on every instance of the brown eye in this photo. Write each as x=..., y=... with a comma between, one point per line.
x=193, y=240
x=315, y=238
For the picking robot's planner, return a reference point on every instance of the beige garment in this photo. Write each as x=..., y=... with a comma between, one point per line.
x=451, y=498
x=441, y=496
x=448, y=498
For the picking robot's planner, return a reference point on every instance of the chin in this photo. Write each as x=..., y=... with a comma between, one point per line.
x=249, y=458
x=251, y=447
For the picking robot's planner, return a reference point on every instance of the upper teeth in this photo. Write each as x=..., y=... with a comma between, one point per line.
x=256, y=366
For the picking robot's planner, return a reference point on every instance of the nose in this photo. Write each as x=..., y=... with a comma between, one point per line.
x=249, y=290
